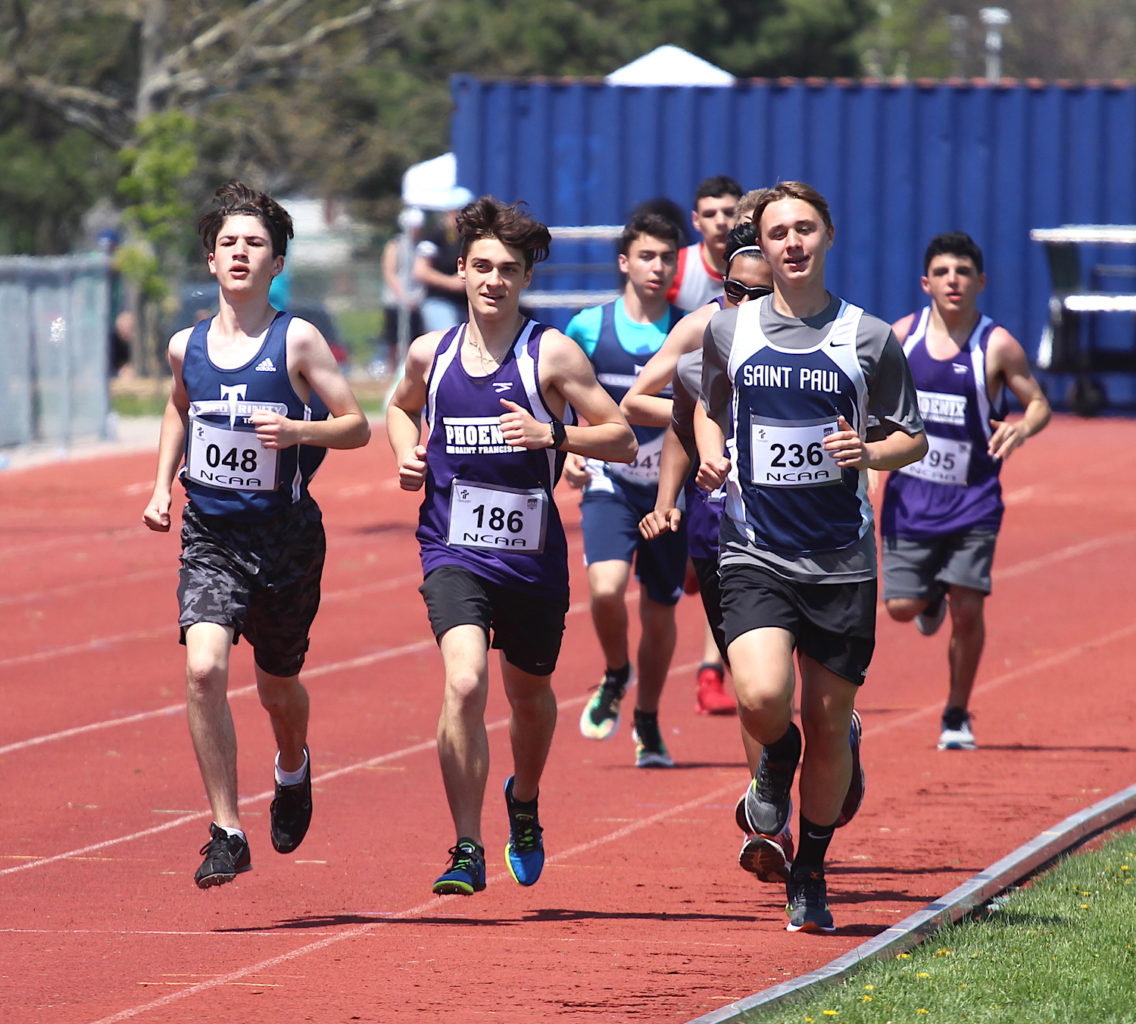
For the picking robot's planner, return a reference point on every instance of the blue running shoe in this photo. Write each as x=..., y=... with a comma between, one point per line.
x=467, y=871
x=859, y=783
x=524, y=852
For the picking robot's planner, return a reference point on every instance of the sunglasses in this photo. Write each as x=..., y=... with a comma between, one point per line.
x=737, y=291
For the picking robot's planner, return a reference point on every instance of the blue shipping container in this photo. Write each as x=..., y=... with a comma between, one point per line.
x=898, y=162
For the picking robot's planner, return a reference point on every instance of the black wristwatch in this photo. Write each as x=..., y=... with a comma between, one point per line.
x=559, y=434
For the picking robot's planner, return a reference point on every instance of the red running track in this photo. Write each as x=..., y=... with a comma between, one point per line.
x=642, y=914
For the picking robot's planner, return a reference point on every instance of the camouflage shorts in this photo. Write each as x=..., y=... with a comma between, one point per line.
x=260, y=578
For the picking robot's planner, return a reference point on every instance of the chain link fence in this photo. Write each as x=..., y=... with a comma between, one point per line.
x=54, y=351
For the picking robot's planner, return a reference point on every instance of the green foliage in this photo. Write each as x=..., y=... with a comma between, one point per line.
x=156, y=209
x=53, y=174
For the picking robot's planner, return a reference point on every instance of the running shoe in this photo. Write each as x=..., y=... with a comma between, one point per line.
x=956, y=733
x=767, y=799
x=712, y=697
x=466, y=874
x=225, y=856
x=859, y=783
x=291, y=811
x=807, y=903
x=524, y=852
x=650, y=750
x=600, y=718
x=768, y=857
x=931, y=618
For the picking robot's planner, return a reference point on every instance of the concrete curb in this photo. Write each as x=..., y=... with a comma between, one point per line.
x=956, y=904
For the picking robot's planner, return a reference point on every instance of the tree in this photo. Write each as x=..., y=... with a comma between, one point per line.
x=1078, y=40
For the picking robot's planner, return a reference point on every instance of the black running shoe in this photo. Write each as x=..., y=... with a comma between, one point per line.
x=466, y=874
x=291, y=811
x=807, y=903
x=225, y=856
x=650, y=750
x=767, y=799
x=600, y=717
x=931, y=618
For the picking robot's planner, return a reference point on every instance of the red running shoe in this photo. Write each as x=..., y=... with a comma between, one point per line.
x=712, y=697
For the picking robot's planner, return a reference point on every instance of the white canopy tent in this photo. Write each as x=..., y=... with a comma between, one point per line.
x=670, y=65
x=433, y=185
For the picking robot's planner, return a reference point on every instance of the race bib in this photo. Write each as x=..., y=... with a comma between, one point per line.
x=497, y=518
x=946, y=462
x=230, y=458
x=791, y=454
x=645, y=468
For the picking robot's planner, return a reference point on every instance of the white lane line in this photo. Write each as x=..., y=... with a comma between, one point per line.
x=98, y=643
x=242, y=691
x=328, y=776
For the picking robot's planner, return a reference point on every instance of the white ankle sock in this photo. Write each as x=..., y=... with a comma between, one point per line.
x=290, y=778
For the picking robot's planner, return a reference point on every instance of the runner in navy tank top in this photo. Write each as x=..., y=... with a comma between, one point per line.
x=789, y=383
x=498, y=397
x=941, y=515
x=620, y=337
x=747, y=277
x=257, y=399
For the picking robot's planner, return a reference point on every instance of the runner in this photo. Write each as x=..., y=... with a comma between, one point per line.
x=497, y=395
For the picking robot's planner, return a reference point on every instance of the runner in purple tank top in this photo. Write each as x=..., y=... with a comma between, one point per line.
x=941, y=515
x=497, y=395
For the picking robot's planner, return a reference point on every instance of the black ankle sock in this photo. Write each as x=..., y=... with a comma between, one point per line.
x=812, y=845
x=618, y=676
x=786, y=750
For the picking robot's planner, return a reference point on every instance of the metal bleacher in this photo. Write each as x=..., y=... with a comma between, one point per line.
x=1075, y=300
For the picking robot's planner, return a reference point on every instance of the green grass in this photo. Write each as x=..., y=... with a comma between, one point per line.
x=141, y=404
x=1060, y=949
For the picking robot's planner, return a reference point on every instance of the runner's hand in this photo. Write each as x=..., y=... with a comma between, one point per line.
x=412, y=469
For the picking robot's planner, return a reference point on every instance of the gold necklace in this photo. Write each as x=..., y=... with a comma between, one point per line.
x=487, y=361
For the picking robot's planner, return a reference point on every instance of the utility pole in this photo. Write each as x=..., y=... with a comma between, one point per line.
x=995, y=19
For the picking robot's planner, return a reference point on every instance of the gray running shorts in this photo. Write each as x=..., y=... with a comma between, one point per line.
x=913, y=567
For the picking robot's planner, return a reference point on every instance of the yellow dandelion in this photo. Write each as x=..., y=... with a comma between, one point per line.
x=942, y=952
x=830, y=1013
x=869, y=988
x=923, y=974
x=865, y=999
x=921, y=1010
x=903, y=956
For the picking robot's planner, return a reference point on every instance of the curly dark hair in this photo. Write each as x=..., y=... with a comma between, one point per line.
x=509, y=223
x=236, y=197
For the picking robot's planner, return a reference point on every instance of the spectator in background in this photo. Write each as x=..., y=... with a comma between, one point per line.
x=402, y=294
x=702, y=265
x=436, y=269
x=121, y=344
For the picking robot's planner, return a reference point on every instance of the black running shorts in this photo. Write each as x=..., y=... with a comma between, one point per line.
x=526, y=628
x=261, y=578
x=832, y=623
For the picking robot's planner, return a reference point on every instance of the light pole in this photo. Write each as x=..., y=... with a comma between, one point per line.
x=994, y=18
